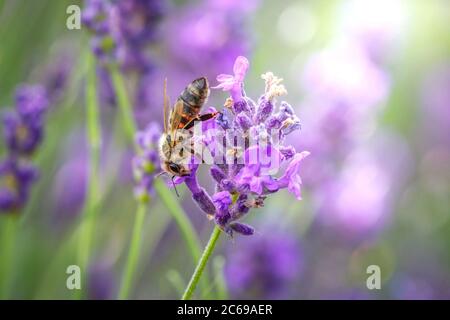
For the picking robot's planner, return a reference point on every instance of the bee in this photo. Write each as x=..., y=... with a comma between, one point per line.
x=175, y=142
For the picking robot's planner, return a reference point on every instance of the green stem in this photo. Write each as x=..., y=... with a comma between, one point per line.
x=8, y=238
x=201, y=264
x=222, y=292
x=126, y=109
x=93, y=196
x=133, y=253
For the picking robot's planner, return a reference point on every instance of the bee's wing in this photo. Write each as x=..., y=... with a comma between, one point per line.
x=166, y=106
x=175, y=116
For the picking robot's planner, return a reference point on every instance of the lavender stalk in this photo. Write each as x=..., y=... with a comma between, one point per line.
x=94, y=140
x=202, y=264
x=133, y=253
x=7, y=249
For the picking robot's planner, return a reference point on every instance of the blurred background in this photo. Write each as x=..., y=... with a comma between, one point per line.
x=370, y=81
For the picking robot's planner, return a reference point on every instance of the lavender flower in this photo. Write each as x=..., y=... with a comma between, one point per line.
x=16, y=179
x=23, y=132
x=23, y=127
x=123, y=30
x=245, y=171
x=146, y=161
x=264, y=267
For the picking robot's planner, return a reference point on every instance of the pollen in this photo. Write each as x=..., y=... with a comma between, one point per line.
x=273, y=87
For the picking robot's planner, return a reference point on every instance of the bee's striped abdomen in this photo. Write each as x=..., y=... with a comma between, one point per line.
x=193, y=98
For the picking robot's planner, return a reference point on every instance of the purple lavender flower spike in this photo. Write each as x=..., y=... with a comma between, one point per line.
x=254, y=152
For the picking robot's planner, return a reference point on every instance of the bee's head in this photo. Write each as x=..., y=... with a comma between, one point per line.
x=176, y=169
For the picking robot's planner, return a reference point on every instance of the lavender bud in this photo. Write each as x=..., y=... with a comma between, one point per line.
x=222, y=201
x=240, y=208
x=286, y=108
x=243, y=229
x=288, y=152
x=250, y=104
x=204, y=202
x=273, y=123
x=244, y=121
x=217, y=174
x=265, y=109
x=290, y=125
x=228, y=185
x=223, y=119
x=240, y=106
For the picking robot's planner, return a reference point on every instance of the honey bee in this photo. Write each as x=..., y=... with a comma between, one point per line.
x=175, y=142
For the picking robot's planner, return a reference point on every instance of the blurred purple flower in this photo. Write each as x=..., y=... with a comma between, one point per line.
x=31, y=101
x=16, y=179
x=23, y=132
x=23, y=127
x=378, y=25
x=22, y=136
x=264, y=267
x=344, y=74
x=101, y=284
x=211, y=34
x=146, y=162
x=345, y=88
x=70, y=187
x=57, y=74
x=123, y=30
x=357, y=199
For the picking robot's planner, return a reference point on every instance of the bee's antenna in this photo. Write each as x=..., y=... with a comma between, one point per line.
x=160, y=174
x=175, y=187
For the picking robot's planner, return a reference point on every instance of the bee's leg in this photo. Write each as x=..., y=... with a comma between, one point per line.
x=202, y=117
x=196, y=154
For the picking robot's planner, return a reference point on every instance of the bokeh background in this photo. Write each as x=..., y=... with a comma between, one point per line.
x=370, y=81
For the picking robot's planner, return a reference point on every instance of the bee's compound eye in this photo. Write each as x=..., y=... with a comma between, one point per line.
x=174, y=167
